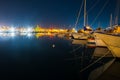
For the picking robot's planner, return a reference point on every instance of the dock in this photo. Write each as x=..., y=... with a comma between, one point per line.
x=112, y=42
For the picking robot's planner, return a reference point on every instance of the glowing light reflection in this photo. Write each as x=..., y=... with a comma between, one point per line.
x=12, y=34
x=29, y=34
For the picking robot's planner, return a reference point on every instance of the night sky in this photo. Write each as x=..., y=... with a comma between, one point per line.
x=62, y=13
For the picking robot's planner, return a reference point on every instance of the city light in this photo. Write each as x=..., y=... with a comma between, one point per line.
x=8, y=29
x=29, y=30
x=12, y=29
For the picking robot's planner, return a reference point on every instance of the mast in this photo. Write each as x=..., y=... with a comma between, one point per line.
x=111, y=20
x=99, y=25
x=116, y=20
x=117, y=12
x=84, y=13
x=87, y=20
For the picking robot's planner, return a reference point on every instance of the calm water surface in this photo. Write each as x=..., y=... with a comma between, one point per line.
x=34, y=57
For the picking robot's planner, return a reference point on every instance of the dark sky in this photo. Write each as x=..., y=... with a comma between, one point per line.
x=54, y=12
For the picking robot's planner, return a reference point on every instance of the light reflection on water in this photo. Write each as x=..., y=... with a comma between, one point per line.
x=29, y=35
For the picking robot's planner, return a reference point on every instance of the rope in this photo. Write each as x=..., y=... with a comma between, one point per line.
x=87, y=11
x=94, y=62
x=93, y=6
x=100, y=12
x=79, y=14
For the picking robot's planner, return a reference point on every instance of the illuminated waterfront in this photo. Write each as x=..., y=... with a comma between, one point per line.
x=37, y=29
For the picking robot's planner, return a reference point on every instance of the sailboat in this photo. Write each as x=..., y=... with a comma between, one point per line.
x=86, y=27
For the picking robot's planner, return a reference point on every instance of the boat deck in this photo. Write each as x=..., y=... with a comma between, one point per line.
x=99, y=42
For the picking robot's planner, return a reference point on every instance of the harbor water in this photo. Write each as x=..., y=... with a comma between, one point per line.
x=43, y=57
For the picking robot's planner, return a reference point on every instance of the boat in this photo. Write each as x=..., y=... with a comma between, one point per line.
x=91, y=43
x=79, y=42
x=68, y=34
x=84, y=37
x=60, y=35
x=77, y=35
